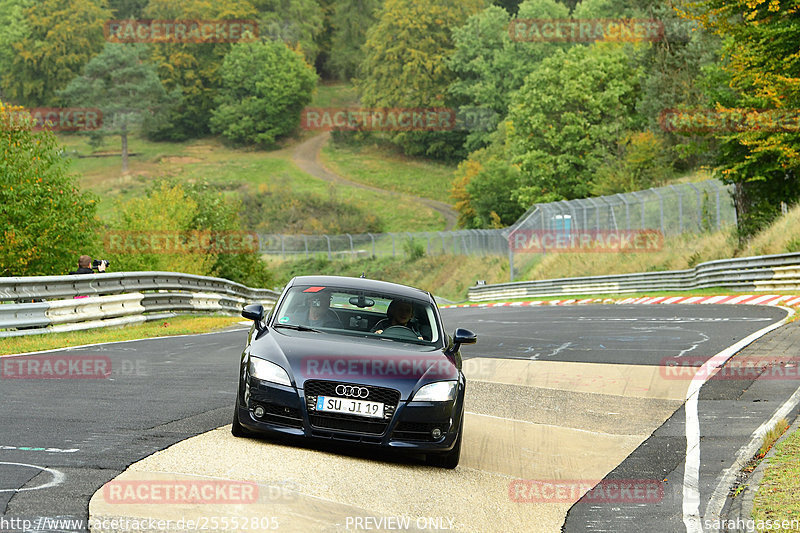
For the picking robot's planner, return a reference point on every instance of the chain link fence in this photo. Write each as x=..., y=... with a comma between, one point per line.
x=686, y=208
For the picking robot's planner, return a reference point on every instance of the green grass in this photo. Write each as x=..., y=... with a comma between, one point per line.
x=238, y=171
x=179, y=325
x=335, y=95
x=778, y=496
x=389, y=170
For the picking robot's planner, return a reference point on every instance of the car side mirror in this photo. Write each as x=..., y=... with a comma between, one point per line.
x=254, y=312
x=463, y=336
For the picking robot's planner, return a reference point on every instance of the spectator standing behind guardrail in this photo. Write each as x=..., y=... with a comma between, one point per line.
x=85, y=265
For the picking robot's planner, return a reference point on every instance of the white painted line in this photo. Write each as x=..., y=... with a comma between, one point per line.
x=68, y=348
x=39, y=449
x=746, y=452
x=691, y=472
x=58, y=477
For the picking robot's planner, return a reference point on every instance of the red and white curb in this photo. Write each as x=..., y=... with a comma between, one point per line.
x=791, y=300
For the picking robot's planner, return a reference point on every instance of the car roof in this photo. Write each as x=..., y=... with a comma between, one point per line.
x=362, y=283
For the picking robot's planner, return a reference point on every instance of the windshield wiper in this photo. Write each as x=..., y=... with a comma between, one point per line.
x=296, y=327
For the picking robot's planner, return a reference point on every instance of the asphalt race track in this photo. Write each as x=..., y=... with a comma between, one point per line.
x=573, y=393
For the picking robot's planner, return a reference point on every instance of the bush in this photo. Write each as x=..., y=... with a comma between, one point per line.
x=46, y=222
x=265, y=86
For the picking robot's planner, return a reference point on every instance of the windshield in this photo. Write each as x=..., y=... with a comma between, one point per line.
x=347, y=311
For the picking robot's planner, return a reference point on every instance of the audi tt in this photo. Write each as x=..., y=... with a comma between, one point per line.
x=354, y=360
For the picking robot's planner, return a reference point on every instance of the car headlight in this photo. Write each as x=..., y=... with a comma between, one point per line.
x=268, y=371
x=441, y=391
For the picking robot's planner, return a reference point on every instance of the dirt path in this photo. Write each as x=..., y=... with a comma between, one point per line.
x=306, y=157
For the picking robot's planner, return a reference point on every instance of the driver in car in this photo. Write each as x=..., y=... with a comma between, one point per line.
x=319, y=312
x=399, y=313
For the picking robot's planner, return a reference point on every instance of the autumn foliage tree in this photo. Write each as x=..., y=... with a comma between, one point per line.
x=762, y=44
x=60, y=37
x=46, y=222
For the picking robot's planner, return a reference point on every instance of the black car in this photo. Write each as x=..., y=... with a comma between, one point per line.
x=354, y=360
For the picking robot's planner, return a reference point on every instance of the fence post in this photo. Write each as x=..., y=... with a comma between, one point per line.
x=305, y=239
x=352, y=251
x=699, y=208
x=680, y=208
x=394, y=248
x=661, y=209
x=719, y=222
x=330, y=257
x=372, y=237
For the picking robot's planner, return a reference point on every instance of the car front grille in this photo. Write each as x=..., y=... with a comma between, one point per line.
x=345, y=422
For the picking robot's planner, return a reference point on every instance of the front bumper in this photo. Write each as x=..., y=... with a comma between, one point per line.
x=406, y=426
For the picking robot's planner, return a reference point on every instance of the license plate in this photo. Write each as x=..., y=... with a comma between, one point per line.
x=351, y=407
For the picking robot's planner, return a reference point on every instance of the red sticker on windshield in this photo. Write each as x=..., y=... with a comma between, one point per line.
x=313, y=289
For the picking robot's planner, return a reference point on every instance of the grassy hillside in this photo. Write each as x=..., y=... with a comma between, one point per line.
x=279, y=197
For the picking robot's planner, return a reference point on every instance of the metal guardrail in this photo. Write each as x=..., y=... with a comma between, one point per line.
x=760, y=273
x=47, y=304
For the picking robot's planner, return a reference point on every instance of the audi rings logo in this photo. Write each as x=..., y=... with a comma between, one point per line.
x=351, y=391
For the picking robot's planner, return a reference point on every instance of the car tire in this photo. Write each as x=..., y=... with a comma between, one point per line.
x=238, y=430
x=451, y=458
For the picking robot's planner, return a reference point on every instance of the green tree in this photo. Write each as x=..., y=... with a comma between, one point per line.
x=763, y=68
x=298, y=23
x=405, y=65
x=192, y=68
x=124, y=86
x=127, y=9
x=46, y=221
x=490, y=66
x=265, y=86
x=13, y=28
x=350, y=22
x=59, y=37
x=568, y=116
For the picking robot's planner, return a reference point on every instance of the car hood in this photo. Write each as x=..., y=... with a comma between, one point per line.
x=382, y=363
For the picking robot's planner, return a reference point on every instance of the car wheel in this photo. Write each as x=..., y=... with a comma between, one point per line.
x=451, y=458
x=238, y=430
